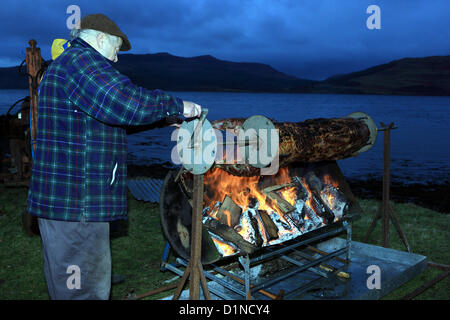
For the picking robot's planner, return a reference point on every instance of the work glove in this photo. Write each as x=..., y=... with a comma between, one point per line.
x=191, y=109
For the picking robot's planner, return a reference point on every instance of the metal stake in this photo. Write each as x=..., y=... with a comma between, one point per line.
x=385, y=210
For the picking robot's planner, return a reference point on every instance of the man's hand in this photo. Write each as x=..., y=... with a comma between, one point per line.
x=191, y=109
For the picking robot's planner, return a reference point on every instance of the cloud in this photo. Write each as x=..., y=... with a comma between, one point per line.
x=310, y=39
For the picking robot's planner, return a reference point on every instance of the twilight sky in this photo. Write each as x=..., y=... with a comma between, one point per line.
x=311, y=39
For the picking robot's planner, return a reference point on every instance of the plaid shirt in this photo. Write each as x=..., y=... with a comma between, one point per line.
x=79, y=166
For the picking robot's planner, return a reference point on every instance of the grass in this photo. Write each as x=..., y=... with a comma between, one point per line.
x=136, y=254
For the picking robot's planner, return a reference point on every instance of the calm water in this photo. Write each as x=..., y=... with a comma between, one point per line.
x=420, y=147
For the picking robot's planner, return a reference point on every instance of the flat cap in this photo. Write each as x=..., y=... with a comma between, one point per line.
x=102, y=23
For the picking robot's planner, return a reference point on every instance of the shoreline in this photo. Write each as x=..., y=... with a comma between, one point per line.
x=433, y=196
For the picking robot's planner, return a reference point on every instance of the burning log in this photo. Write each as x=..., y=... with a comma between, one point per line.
x=313, y=181
x=259, y=241
x=321, y=208
x=336, y=200
x=297, y=216
x=310, y=141
x=228, y=234
x=281, y=186
x=269, y=228
x=248, y=227
x=269, y=225
x=312, y=220
x=280, y=202
x=229, y=212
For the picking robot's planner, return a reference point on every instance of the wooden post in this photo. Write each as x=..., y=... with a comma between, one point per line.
x=194, y=268
x=34, y=63
x=386, y=183
x=385, y=211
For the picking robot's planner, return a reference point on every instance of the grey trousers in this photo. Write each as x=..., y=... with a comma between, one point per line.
x=77, y=259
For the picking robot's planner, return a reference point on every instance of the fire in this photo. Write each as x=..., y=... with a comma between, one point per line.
x=246, y=192
x=227, y=249
x=240, y=189
x=327, y=180
x=290, y=195
x=310, y=196
x=330, y=199
x=228, y=215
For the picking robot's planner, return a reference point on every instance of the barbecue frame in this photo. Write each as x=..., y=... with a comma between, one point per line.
x=243, y=286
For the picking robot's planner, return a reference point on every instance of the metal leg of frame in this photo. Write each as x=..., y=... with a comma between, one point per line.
x=245, y=262
x=348, y=227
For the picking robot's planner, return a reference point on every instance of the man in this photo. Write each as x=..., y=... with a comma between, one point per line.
x=78, y=182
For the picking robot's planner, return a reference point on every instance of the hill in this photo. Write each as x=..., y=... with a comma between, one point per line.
x=204, y=73
x=408, y=76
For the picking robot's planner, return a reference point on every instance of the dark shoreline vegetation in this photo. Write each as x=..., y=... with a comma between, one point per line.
x=430, y=195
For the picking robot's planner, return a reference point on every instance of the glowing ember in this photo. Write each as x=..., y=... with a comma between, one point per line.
x=224, y=248
x=331, y=196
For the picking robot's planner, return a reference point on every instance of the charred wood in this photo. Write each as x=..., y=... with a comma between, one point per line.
x=229, y=212
x=281, y=186
x=269, y=225
x=229, y=234
x=320, y=207
x=254, y=223
x=282, y=204
x=340, y=203
x=311, y=219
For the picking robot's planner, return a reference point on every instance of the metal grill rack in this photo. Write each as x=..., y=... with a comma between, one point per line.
x=230, y=286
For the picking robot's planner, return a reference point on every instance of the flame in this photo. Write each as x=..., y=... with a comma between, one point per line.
x=245, y=227
x=310, y=196
x=330, y=197
x=289, y=194
x=227, y=249
x=328, y=180
x=243, y=191
x=228, y=215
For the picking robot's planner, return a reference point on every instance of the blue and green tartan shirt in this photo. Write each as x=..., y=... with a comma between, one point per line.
x=79, y=166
